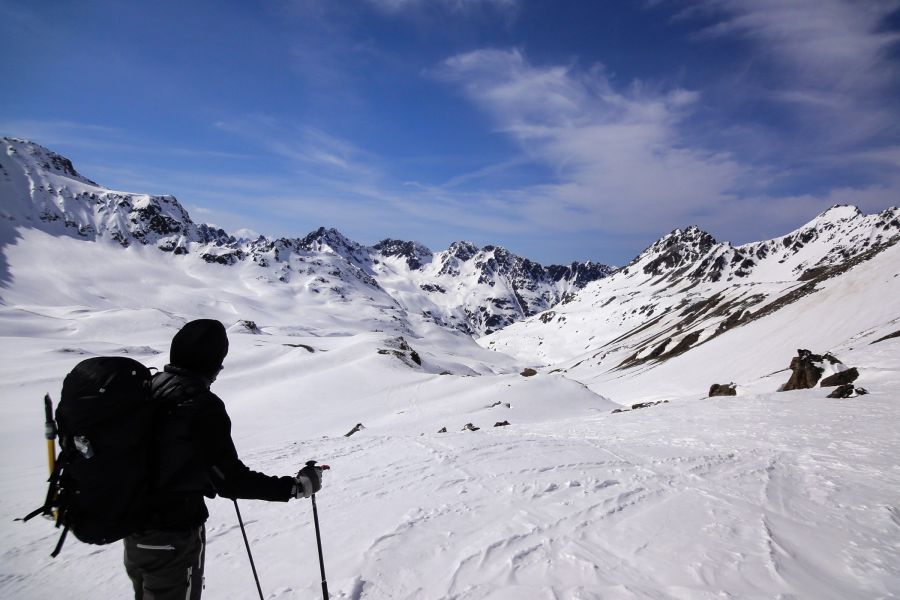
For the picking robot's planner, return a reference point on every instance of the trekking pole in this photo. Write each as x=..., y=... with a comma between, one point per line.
x=312, y=463
x=247, y=543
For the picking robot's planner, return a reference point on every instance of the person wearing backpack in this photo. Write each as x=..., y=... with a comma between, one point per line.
x=194, y=458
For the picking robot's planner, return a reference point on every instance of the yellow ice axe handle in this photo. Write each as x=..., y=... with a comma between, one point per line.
x=50, y=432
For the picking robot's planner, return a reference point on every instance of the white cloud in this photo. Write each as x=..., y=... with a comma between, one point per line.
x=617, y=154
x=832, y=60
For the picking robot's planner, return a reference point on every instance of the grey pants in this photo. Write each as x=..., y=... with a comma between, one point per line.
x=166, y=565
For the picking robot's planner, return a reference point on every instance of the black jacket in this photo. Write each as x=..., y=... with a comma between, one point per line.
x=195, y=456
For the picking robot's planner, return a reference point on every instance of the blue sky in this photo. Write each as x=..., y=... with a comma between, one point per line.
x=562, y=130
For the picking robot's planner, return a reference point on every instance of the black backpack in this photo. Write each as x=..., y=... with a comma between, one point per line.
x=101, y=481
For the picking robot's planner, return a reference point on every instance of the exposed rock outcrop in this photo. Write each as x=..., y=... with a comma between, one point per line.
x=356, y=428
x=647, y=404
x=806, y=370
x=722, y=389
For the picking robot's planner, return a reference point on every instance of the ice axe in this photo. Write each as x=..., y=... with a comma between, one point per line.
x=50, y=432
x=312, y=463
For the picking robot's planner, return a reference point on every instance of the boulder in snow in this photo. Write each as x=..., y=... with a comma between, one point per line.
x=842, y=391
x=806, y=370
x=722, y=389
x=841, y=378
x=847, y=391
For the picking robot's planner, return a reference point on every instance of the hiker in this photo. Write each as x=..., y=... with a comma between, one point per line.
x=194, y=457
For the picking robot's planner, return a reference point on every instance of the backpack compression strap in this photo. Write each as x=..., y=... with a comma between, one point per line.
x=52, y=491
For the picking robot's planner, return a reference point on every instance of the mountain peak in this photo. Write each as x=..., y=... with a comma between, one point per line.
x=43, y=158
x=463, y=250
x=676, y=249
x=328, y=239
x=837, y=212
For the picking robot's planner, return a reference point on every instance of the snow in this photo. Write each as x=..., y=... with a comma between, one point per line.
x=761, y=495
x=755, y=496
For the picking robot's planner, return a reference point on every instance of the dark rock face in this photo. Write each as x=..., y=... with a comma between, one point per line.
x=646, y=404
x=462, y=250
x=579, y=273
x=250, y=326
x=433, y=288
x=501, y=423
x=470, y=427
x=678, y=249
x=841, y=378
x=442, y=430
x=529, y=372
x=411, y=251
x=722, y=389
x=806, y=372
x=400, y=348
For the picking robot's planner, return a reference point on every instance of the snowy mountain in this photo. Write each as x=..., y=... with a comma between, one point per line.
x=686, y=290
x=475, y=290
x=521, y=473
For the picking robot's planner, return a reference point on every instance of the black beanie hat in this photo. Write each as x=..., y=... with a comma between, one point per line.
x=200, y=346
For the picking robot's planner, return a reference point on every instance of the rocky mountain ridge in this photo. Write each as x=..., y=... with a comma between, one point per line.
x=687, y=289
x=474, y=290
x=841, y=232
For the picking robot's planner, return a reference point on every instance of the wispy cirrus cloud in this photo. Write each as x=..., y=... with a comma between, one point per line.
x=59, y=133
x=308, y=148
x=831, y=60
x=617, y=154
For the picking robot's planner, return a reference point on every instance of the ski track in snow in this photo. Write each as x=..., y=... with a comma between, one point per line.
x=573, y=513
x=779, y=496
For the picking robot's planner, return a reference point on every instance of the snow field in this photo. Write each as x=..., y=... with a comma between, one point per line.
x=761, y=495
x=795, y=497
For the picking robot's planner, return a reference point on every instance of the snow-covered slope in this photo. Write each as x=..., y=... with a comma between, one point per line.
x=686, y=290
x=764, y=495
x=474, y=290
